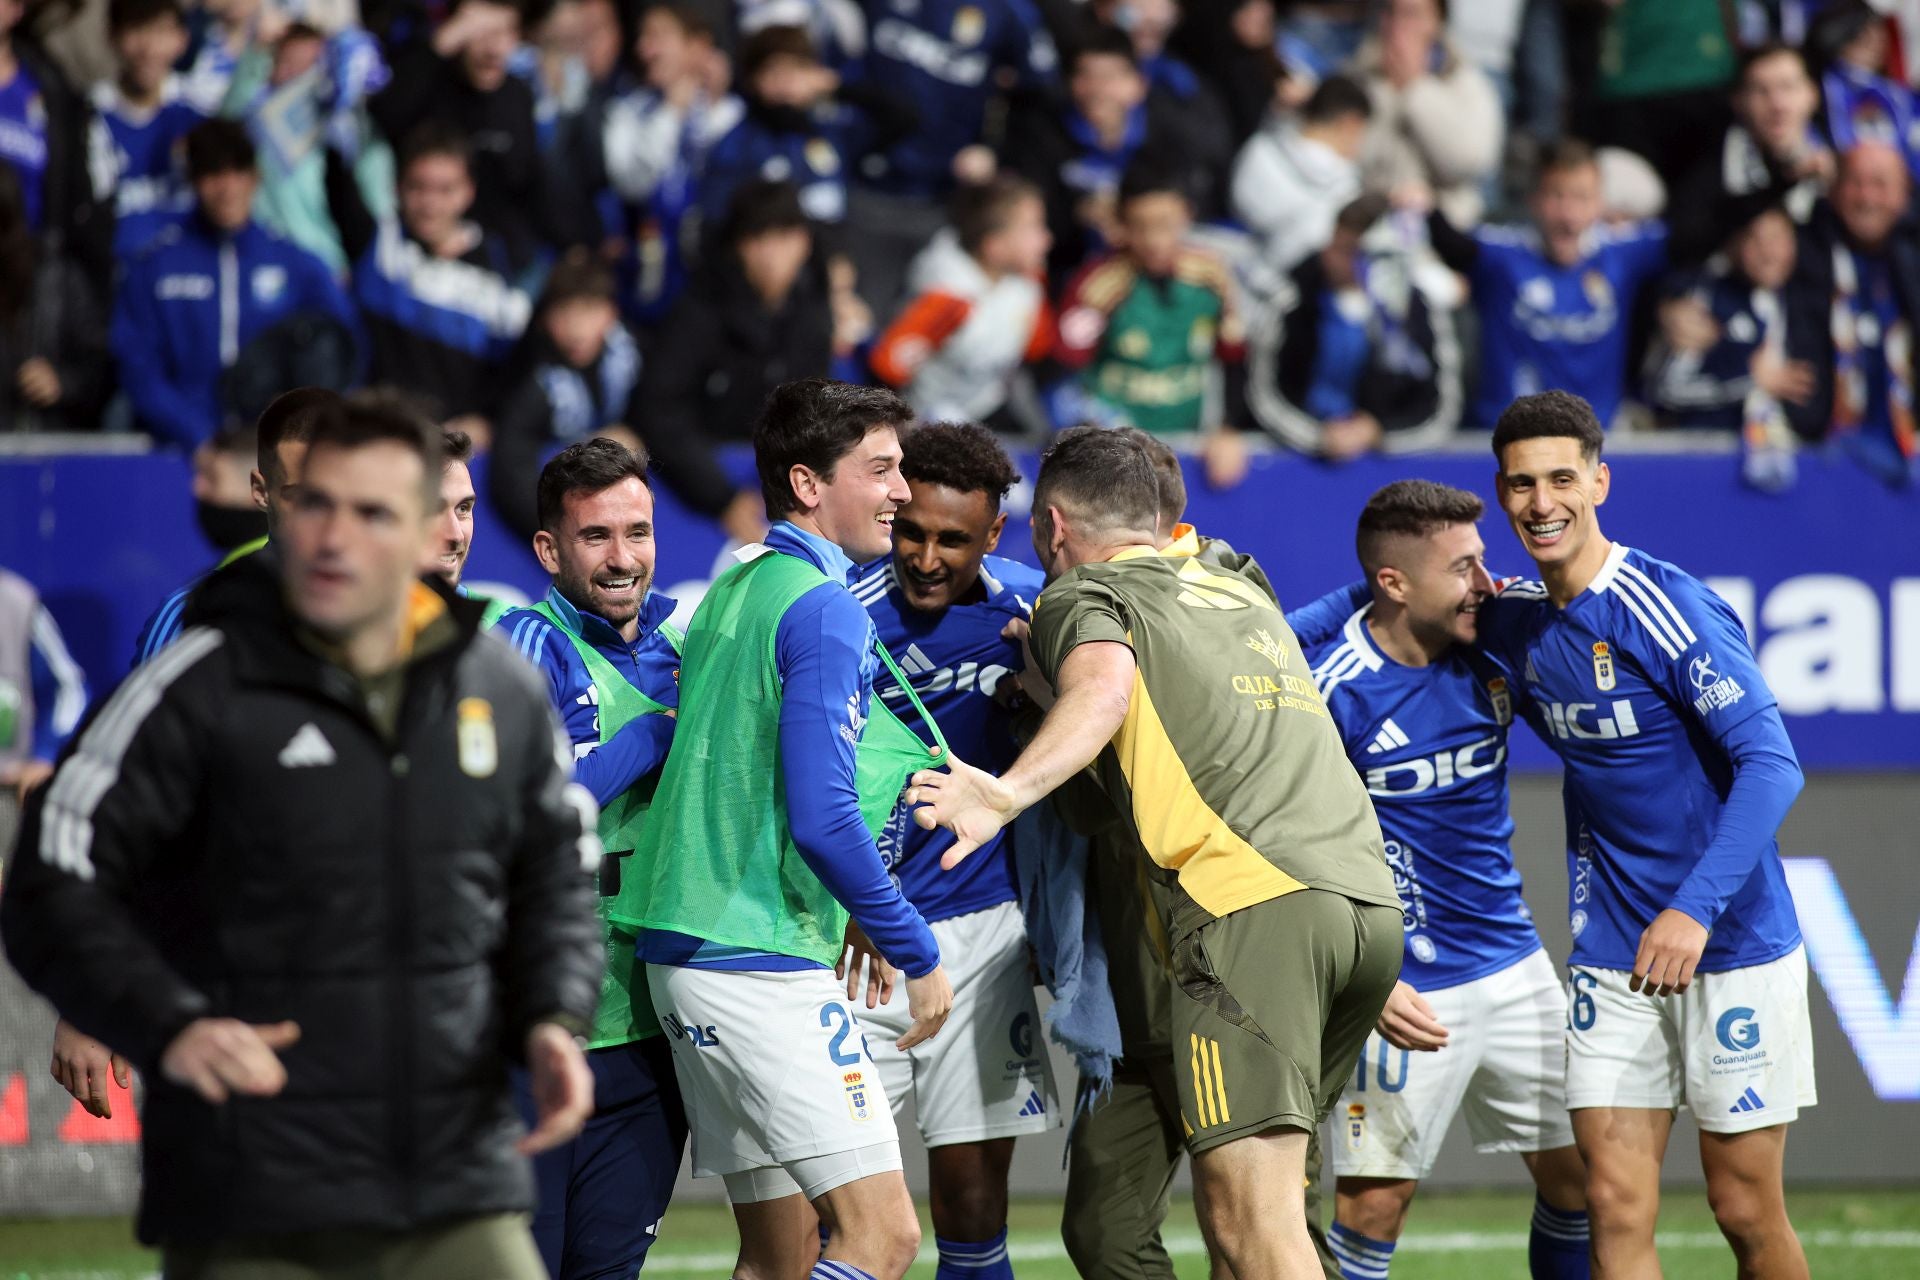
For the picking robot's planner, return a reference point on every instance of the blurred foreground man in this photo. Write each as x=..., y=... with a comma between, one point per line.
x=318, y=871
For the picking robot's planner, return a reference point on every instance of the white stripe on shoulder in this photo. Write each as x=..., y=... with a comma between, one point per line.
x=1660, y=599
x=1524, y=589
x=1667, y=641
x=66, y=831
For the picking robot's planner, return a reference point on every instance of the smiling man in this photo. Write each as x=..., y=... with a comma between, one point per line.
x=612, y=662
x=761, y=844
x=1678, y=774
x=1477, y=1020
x=942, y=602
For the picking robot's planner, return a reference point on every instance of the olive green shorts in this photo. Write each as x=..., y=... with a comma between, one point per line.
x=1271, y=1007
x=494, y=1247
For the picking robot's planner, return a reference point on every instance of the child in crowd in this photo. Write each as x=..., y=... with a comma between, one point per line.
x=1145, y=327
x=979, y=308
x=142, y=120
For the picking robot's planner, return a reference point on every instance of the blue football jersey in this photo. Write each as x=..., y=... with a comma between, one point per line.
x=1639, y=685
x=144, y=150
x=1547, y=327
x=942, y=55
x=1431, y=744
x=954, y=660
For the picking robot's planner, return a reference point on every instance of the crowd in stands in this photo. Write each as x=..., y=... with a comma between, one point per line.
x=1348, y=225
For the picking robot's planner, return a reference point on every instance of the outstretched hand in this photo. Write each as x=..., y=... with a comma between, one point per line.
x=969, y=802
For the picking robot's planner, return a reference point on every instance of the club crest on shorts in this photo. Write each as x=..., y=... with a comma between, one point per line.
x=857, y=1095
x=1603, y=666
x=1356, y=1125
x=479, y=747
x=1502, y=699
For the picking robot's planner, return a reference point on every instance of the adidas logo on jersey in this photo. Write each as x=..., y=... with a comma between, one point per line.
x=308, y=748
x=1389, y=738
x=1035, y=1106
x=1749, y=1101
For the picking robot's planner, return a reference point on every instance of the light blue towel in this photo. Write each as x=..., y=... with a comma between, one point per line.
x=1050, y=863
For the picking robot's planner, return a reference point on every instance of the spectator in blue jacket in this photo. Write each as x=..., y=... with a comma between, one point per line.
x=949, y=59
x=803, y=125
x=435, y=290
x=208, y=287
x=142, y=120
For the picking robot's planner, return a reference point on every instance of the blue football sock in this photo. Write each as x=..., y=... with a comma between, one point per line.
x=1360, y=1257
x=967, y=1260
x=1557, y=1246
x=825, y=1270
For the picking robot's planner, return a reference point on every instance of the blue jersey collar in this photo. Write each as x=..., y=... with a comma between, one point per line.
x=600, y=633
x=790, y=539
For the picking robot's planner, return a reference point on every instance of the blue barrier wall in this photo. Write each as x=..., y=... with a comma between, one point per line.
x=1828, y=577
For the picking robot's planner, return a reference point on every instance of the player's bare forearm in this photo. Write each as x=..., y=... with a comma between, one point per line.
x=1096, y=688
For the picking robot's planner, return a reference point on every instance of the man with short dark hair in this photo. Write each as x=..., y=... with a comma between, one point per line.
x=280, y=441
x=1678, y=774
x=943, y=602
x=1235, y=782
x=1477, y=1019
x=325, y=995
x=753, y=900
x=204, y=289
x=611, y=660
x=1294, y=177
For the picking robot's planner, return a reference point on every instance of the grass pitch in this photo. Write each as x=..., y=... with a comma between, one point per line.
x=1862, y=1235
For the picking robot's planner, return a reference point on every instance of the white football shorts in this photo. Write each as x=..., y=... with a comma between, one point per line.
x=776, y=1078
x=1736, y=1048
x=986, y=1074
x=1504, y=1065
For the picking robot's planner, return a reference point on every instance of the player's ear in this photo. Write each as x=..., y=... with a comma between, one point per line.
x=805, y=482
x=547, y=551
x=1393, y=583
x=257, y=487
x=1602, y=483
x=994, y=529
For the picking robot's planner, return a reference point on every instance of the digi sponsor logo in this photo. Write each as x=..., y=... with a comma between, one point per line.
x=1570, y=720
x=1716, y=691
x=1441, y=770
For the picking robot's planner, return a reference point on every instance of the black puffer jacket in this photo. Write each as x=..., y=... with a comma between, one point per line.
x=230, y=835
